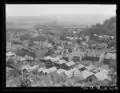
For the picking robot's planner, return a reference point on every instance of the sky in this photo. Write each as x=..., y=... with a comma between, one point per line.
x=81, y=13
x=60, y=9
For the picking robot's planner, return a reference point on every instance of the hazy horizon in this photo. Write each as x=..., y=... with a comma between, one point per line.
x=67, y=13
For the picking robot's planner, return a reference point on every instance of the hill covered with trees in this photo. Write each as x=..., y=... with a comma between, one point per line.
x=107, y=28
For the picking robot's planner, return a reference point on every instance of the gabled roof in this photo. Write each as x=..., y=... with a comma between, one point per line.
x=86, y=73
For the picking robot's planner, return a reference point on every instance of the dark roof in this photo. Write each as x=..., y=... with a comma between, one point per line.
x=64, y=66
x=82, y=69
x=40, y=54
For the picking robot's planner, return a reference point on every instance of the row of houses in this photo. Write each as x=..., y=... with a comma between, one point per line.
x=76, y=70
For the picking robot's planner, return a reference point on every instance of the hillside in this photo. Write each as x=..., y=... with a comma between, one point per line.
x=107, y=28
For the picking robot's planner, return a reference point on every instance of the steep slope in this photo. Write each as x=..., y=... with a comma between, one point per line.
x=96, y=30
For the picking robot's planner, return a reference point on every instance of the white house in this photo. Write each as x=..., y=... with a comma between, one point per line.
x=52, y=69
x=10, y=54
x=48, y=58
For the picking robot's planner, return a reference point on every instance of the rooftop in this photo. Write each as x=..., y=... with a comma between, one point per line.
x=86, y=73
x=70, y=63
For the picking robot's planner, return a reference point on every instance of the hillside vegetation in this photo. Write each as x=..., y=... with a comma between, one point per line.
x=107, y=28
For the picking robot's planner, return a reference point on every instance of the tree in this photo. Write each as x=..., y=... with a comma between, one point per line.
x=10, y=61
x=110, y=24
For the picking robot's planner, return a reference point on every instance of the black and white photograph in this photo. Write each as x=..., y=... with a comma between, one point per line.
x=60, y=45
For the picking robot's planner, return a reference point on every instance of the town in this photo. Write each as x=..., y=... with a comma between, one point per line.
x=61, y=56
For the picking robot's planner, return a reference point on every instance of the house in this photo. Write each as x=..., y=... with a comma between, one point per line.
x=48, y=58
x=90, y=67
x=22, y=58
x=36, y=46
x=52, y=69
x=40, y=54
x=29, y=57
x=63, y=66
x=49, y=64
x=80, y=66
x=91, y=79
x=35, y=67
x=37, y=84
x=10, y=54
x=62, y=61
x=86, y=74
x=95, y=70
x=68, y=73
x=78, y=54
x=110, y=55
x=59, y=71
x=86, y=62
x=8, y=46
x=44, y=70
x=78, y=73
x=57, y=58
x=102, y=75
x=54, y=59
x=70, y=63
x=56, y=78
x=25, y=42
x=46, y=79
x=105, y=67
x=14, y=47
x=41, y=69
